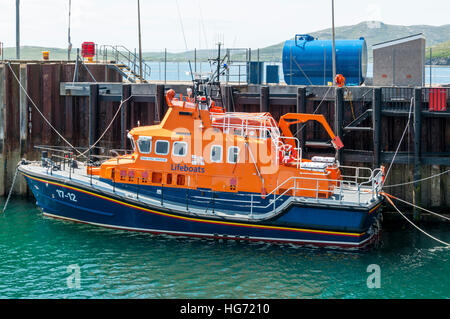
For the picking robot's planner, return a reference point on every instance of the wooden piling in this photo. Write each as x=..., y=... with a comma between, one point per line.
x=126, y=93
x=159, y=103
x=265, y=99
x=376, y=120
x=338, y=119
x=301, y=108
x=34, y=89
x=417, y=193
x=2, y=127
x=229, y=99
x=93, y=116
x=12, y=125
x=21, y=185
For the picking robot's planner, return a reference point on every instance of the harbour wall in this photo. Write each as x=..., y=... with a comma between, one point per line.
x=370, y=120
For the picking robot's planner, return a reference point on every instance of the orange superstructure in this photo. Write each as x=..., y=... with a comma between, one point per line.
x=203, y=147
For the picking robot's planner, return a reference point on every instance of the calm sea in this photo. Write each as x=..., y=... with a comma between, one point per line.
x=46, y=258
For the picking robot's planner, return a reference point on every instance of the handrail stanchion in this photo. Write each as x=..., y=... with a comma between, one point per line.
x=137, y=188
x=359, y=194
x=317, y=189
x=274, y=200
x=187, y=200
x=251, y=206
x=295, y=187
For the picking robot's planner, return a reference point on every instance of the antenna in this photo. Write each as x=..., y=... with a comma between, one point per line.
x=218, y=61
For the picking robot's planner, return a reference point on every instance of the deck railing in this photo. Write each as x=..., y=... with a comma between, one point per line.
x=320, y=189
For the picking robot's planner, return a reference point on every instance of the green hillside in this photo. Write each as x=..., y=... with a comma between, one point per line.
x=35, y=53
x=440, y=54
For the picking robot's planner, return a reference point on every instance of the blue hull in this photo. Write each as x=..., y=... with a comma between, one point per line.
x=304, y=225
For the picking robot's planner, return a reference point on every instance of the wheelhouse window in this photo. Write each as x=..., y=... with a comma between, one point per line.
x=216, y=154
x=144, y=144
x=233, y=154
x=162, y=147
x=133, y=145
x=179, y=148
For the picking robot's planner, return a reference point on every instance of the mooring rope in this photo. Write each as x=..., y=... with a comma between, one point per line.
x=80, y=154
x=419, y=180
x=349, y=96
x=11, y=190
x=39, y=111
x=181, y=24
x=417, y=227
x=400, y=143
x=108, y=127
x=416, y=206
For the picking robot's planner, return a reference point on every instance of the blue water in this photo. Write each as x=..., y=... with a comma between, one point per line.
x=180, y=71
x=35, y=253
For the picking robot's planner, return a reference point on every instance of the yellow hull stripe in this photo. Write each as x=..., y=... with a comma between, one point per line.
x=196, y=219
x=374, y=209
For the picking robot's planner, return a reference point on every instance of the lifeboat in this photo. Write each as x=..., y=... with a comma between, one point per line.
x=206, y=172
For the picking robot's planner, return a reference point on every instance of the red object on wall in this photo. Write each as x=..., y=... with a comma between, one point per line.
x=88, y=49
x=438, y=99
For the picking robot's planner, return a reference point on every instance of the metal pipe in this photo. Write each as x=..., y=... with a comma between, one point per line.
x=165, y=66
x=69, y=48
x=334, y=43
x=431, y=56
x=140, y=42
x=18, y=29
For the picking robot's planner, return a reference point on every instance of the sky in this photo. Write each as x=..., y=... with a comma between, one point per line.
x=187, y=24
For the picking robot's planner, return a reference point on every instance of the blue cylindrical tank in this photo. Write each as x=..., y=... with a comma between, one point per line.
x=308, y=61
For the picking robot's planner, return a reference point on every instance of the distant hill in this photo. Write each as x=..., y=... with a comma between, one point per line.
x=440, y=54
x=437, y=37
x=35, y=53
x=374, y=32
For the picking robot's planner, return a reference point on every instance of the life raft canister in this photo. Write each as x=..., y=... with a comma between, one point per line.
x=287, y=154
x=340, y=80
